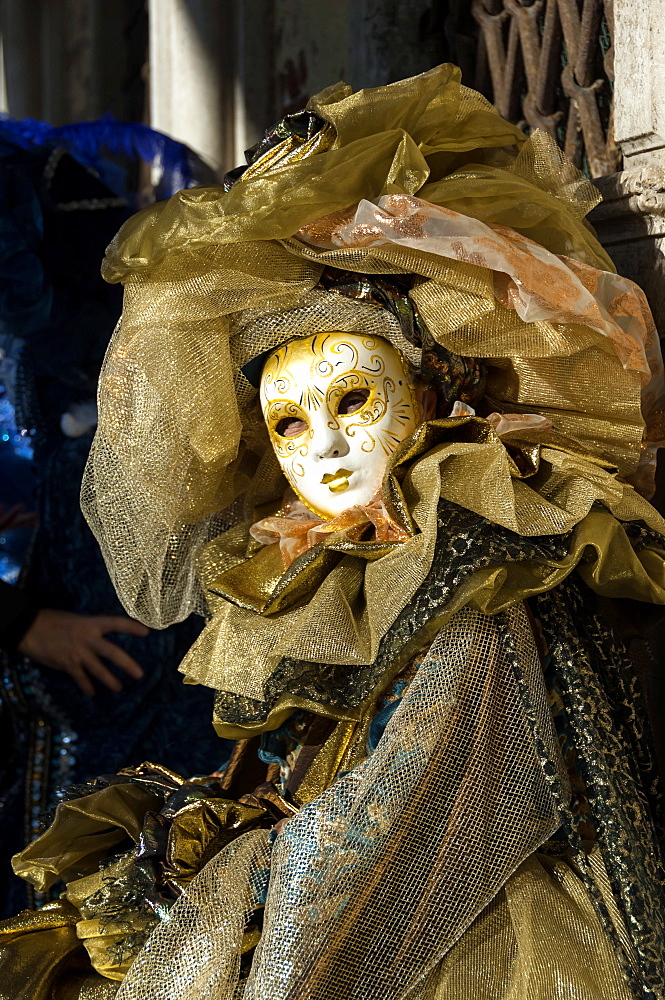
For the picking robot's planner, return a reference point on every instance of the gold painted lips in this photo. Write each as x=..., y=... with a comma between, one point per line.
x=338, y=481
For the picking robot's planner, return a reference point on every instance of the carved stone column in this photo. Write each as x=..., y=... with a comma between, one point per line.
x=631, y=220
x=630, y=223
x=639, y=80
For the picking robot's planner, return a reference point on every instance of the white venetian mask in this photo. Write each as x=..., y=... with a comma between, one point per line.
x=337, y=405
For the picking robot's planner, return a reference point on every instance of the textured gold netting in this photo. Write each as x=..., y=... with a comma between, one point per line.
x=353, y=607
x=409, y=137
x=542, y=920
x=392, y=868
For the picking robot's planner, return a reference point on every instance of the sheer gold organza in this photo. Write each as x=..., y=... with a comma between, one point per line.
x=296, y=529
x=539, y=939
x=346, y=615
x=384, y=140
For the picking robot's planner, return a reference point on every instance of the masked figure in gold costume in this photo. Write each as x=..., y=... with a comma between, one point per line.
x=386, y=415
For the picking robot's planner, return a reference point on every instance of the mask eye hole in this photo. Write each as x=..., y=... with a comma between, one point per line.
x=290, y=427
x=353, y=401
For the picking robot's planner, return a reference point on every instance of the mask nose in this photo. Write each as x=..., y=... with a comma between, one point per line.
x=330, y=444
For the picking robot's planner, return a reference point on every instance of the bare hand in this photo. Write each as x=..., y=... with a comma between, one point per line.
x=74, y=643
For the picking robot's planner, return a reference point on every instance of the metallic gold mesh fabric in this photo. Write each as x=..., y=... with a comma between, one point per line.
x=367, y=892
x=255, y=331
x=387, y=139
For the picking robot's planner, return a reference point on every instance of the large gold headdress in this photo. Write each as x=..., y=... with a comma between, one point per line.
x=423, y=182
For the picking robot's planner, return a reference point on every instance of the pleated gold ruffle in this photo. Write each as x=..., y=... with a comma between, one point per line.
x=340, y=614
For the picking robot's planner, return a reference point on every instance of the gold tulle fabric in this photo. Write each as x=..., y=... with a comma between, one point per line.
x=385, y=140
x=539, y=939
x=213, y=279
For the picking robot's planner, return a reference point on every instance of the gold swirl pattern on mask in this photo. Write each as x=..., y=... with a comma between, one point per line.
x=374, y=410
x=281, y=409
x=312, y=351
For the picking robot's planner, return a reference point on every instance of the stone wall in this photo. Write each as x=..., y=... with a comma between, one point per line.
x=243, y=66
